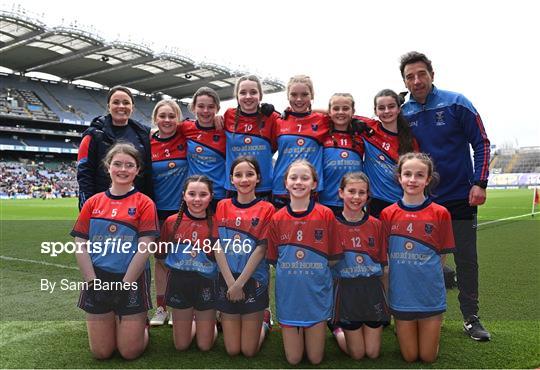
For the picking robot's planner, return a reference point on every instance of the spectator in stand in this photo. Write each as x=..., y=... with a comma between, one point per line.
x=103, y=132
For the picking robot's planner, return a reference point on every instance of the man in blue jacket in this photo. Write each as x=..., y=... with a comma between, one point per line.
x=446, y=126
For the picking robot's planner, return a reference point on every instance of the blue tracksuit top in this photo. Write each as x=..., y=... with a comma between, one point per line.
x=446, y=126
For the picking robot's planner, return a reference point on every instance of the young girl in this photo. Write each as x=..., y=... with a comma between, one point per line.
x=191, y=281
x=360, y=300
x=384, y=143
x=206, y=144
x=299, y=135
x=419, y=232
x=242, y=227
x=343, y=149
x=118, y=225
x=169, y=171
x=249, y=130
x=302, y=247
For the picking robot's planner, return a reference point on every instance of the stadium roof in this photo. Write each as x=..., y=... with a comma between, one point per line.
x=28, y=45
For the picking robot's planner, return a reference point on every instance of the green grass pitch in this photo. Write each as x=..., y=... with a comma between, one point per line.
x=43, y=330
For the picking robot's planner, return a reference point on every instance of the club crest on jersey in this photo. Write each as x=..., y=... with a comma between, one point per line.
x=359, y=259
x=300, y=254
x=131, y=211
x=409, y=245
x=371, y=241
x=247, y=140
x=318, y=234
x=314, y=127
x=439, y=118
x=428, y=228
x=199, y=149
x=112, y=228
x=344, y=154
x=300, y=142
x=181, y=147
x=216, y=138
x=172, y=165
x=255, y=221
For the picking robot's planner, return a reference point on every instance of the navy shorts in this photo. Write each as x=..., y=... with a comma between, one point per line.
x=256, y=295
x=410, y=316
x=186, y=289
x=103, y=299
x=360, y=301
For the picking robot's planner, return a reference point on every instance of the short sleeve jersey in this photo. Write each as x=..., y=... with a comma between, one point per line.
x=300, y=136
x=301, y=244
x=342, y=154
x=380, y=162
x=113, y=225
x=206, y=148
x=252, y=136
x=417, y=236
x=364, y=248
x=241, y=228
x=169, y=170
x=186, y=247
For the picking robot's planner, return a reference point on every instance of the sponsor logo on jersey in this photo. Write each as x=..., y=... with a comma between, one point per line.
x=371, y=241
x=255, y=221
x=247, y=140
x=193, y=253
x=199, y=149
x=112, y=228
x=97, y=212
x=409, y=245
x=359, y=259
x=300, y=254
x=131, y=211
x=300, y=142
x=428, y=228
x=382, y=157
x=172, y=165
x=318, y=234
x=344, y=154
x=237, y=236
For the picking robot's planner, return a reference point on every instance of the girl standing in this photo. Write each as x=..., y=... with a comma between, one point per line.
x=191, y=281
x=206, y=145
x=302, y=248
x=299, y=135
x=117, y=297
x=169, y=171
x=386, y=140
x=343, y=149
x=360, y=301
x=242, y=227
x=249, y=129
x=419, y=234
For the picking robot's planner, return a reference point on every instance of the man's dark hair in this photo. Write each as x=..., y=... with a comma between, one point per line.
x=413, y=57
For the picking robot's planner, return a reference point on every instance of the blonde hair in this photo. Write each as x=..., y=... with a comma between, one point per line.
x=302, y=162
x=170, y=103
x=302, y=79
x=342, y=95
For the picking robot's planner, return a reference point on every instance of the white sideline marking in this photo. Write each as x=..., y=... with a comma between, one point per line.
x=507, y=218
x=38, y=262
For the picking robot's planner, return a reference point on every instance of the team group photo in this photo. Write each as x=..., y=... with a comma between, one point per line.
x=232, y=229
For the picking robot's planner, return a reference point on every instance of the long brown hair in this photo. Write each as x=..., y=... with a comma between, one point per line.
x=183, y=205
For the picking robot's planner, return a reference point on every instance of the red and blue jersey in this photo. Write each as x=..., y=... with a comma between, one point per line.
x=301, y=244
x=446, y=127
x=364, y=248
x=169, y=170
x=113, y=225
x=300, y=136
x=206, y=149
x=380, y=161
x=417, y=236
x=342, y=154
x=254, y=136
x=186, y=248
x=240, y=228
